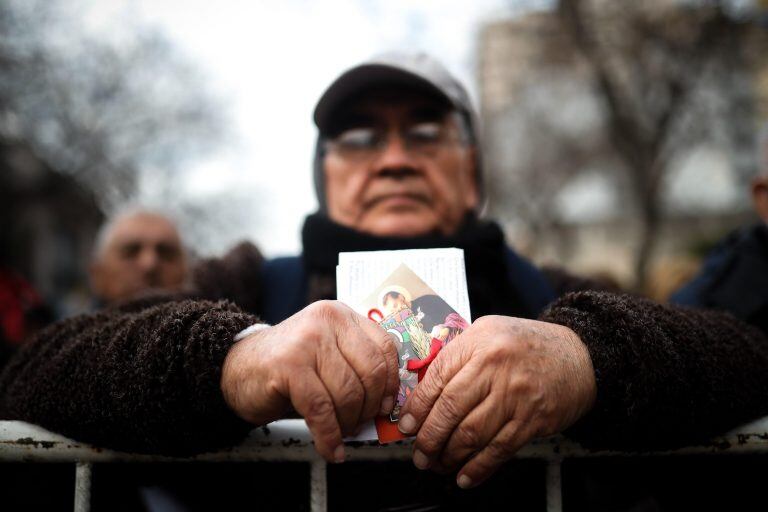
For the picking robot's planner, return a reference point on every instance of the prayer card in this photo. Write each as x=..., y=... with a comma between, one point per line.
x=419, y=321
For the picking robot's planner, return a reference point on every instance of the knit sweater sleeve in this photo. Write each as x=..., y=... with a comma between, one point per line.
x=666, y=375
x=144, y=381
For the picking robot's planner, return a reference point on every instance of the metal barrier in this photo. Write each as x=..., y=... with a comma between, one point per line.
x=289, y=441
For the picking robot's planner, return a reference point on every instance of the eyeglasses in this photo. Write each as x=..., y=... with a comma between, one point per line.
x=366, y=142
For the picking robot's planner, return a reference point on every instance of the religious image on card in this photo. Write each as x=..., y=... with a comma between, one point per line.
x=420, y=323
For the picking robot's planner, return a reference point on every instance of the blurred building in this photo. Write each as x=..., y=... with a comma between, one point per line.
x=555, y=184
x=49, y=223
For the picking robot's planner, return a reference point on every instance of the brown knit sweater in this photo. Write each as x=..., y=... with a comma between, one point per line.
x=146, y=378
x=666, y=375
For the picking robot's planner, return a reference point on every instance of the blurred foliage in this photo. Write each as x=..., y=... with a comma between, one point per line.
x=97, y=108
x=624, y=90
x=671, y=76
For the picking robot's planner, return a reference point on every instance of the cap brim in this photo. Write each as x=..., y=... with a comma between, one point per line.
x=364, y=77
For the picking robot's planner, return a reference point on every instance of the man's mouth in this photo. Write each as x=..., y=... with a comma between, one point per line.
x=397, y=200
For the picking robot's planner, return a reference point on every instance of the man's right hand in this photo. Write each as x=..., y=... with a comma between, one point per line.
x=334, y=367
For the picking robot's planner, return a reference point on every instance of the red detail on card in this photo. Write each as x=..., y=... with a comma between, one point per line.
x=375, y=312
x=421, y=365
x=387, y=430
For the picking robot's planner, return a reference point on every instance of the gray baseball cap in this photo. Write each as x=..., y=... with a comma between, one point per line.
x=396, y=69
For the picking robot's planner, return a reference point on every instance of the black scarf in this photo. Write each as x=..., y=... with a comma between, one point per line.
x=490, y=291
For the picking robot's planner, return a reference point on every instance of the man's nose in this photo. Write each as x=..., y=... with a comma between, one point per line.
x=148, y=259
x=395, y=158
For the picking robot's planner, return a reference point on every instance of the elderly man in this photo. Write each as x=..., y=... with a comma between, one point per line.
x=137, y=251
x=397, y=166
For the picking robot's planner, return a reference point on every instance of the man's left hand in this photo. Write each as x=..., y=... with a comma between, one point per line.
x=501, y=383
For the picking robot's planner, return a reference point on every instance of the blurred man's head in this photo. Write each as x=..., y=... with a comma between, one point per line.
x=136, y=252
x=397, y=149
x=760, y=182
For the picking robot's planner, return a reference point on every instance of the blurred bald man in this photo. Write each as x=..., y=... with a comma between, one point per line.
x=136, y=252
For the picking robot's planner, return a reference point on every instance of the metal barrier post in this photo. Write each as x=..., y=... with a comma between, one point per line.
x=82, y=487
x=290, y=440
x=554, y=486
x=318, y=498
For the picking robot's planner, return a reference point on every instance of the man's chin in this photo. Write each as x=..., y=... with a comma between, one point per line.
x=401, y=225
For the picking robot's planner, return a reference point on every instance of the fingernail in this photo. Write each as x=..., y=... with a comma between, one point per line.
x=387, y=404
x=464, y=482
x=407, y=424
x=420, y=460
x=338, y=454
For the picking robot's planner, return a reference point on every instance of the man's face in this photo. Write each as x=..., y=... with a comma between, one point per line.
x=394, y=302
x=399, y=167
x=142, y=252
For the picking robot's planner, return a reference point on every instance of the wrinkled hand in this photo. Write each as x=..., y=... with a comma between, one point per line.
x=334, y=367
x=501, y=383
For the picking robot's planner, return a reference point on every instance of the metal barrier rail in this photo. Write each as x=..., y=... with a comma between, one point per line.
x=289, y=441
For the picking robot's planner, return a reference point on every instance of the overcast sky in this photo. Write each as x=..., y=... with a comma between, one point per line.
x=270, y=61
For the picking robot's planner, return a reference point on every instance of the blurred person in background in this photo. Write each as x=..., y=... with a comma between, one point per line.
x=22, y=312
x=734, y=276
x=137, y=251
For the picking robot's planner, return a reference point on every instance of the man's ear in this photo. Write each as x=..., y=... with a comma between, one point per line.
x=760, y=196
x=96, y=277
x=472, y=194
